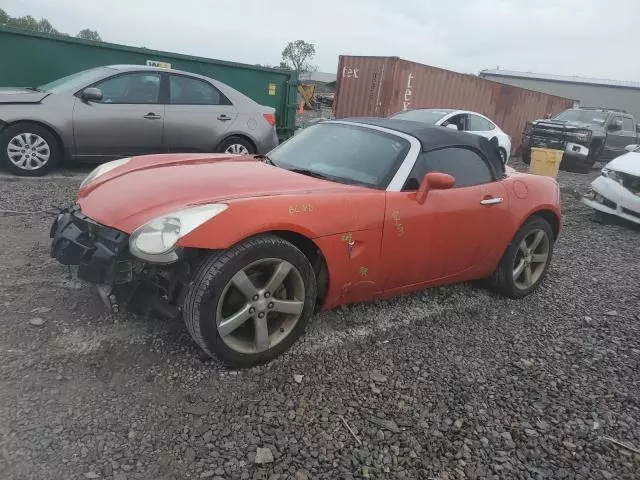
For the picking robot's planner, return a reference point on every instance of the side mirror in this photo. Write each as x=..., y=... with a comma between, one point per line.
x=615, y=126
x=638, y=127
x=631, y=148
x=91, y=94
x=452, y=126
x=434, y=181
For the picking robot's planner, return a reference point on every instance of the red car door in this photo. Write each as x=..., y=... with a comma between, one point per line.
x=455, y=235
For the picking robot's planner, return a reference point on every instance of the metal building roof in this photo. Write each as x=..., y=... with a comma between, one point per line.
x=561, y=78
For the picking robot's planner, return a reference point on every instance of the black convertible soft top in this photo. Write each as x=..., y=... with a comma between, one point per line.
x=433, y=137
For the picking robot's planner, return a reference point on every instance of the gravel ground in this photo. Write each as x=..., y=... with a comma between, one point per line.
x=450, y=383
x=309, y=116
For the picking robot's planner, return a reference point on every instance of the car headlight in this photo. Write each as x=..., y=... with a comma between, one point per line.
x=580, y=136
x=613, y=175
x=102, y=169
x=155, y=241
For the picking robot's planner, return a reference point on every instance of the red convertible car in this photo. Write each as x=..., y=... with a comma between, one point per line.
x=246, y=248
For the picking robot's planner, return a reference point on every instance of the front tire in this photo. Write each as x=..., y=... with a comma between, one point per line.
x=247, y=305
x=526, y=261
x=28, y=149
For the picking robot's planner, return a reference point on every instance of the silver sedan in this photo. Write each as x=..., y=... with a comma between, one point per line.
x=123, y=110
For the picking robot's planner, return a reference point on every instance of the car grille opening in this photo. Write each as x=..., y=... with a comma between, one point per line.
x=630, y=212
x=605, y=201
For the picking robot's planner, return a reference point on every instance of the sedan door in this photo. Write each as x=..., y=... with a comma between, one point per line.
x=128, y=120
x=197, y=116
x=455, y=234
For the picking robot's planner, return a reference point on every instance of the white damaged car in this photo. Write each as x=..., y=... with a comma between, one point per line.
x=617, y=190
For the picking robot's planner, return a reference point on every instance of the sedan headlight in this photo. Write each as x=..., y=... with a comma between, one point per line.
x=101, y=170
x=155, y=241
x=580, y=135
x=613, y=175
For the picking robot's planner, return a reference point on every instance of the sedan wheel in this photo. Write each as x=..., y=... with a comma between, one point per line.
x=236, y=145
x=260, y=306
x=237, y=149
x=28, y=151
x=248, y=304
x=531, y=259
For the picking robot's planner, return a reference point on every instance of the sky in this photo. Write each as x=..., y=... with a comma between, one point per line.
x=593, y=38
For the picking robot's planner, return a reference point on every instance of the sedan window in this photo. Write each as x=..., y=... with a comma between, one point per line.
x=479, y=124
x=131, y=88
x=191, y=91
x=466, y=166
x=343, y=153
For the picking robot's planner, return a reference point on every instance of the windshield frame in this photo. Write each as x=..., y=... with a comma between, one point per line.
x=592, y=113
x=71, y=83
x=398, y=173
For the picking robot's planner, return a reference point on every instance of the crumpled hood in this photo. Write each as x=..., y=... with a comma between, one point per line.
x=149, y=186
x=21, y=95
x=627, y=163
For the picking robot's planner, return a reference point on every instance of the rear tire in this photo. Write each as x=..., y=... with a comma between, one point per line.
x=29, y=150
x=230, y=310
x=521, y=269
x=236, y=145
x=503, y=155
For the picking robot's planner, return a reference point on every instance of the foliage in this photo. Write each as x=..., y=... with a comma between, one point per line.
x=43, y=25
x=297, y=54
x=87, y=34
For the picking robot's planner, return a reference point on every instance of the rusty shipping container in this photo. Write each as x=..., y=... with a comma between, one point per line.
x=381, y=86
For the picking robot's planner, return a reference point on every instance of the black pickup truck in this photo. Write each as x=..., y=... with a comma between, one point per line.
x=586, y=134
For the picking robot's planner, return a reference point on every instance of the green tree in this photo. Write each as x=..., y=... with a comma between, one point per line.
x=4, y=17
x=27, y=22
x=297, y=54
x=43, y=25
x=87, y=34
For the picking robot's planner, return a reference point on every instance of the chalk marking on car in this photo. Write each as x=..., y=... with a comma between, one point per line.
x=397, y=223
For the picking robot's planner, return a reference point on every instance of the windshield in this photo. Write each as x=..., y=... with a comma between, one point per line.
x=343, y=153
x=423, y=116
x=75, y=81
x=594, y=117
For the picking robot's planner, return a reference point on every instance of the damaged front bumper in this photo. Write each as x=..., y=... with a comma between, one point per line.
x=608, y=196
x=102, y=256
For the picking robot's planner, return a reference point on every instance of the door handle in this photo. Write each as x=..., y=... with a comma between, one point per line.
x=152, y=116
x=491, y=201
x=224, y=118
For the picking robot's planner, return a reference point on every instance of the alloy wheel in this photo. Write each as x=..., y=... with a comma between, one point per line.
x=28, y=151
x=531, y=259
x=237, y=149
x=260, y=306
